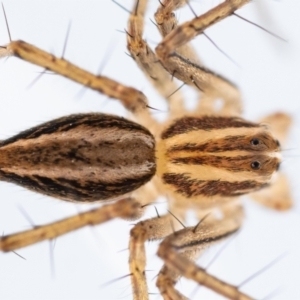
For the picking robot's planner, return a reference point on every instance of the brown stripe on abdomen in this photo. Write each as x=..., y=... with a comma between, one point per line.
x=190, y=187
x=230, y=143
x=71, y=122
x=76, y=190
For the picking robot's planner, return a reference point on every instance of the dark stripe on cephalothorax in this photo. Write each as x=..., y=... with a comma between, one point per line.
x=229, y=143
x=188, y=124
x=65, y=124
x=206, y=240
x=267, y=164
x=189, y=187
x=81, y=191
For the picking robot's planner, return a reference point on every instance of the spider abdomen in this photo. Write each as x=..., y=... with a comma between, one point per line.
x=208, y=158
x=84, y=157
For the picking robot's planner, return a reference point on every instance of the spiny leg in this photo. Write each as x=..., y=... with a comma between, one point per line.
x=189, y=30
x=168, y=277
x=127, y=208
x=167, y=22
x=132, y=99
x=204, y=234
x=148, y=62
x=152, y=229
x=197, y=238
x=191, y=73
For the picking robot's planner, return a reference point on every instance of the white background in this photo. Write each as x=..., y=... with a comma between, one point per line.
x=82, y=261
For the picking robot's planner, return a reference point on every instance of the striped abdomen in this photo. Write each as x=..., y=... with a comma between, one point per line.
x=84, y=157
x=209, y=158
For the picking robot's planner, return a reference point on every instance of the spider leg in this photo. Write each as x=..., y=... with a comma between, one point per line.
x=180, y=248
x=132, y=99
x=189, y=30
x=276, y=196
x=167, y=22
x=149, y=63
x=207, y=106
x=168, y=277
x=190, y=72
x=151, y=229
x=127, y=208
x=279, y=123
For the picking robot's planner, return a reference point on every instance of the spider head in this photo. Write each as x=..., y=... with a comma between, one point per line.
x=218, y=156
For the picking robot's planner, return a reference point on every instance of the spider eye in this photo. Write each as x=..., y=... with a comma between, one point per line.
x=278, y=143
x=255, y=142
x=255, y=165
x=278, y=166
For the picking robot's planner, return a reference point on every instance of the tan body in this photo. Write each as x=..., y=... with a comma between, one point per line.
x=203, y=159
x=96, y=157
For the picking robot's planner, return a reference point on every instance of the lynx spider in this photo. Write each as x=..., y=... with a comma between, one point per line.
x=42, y=220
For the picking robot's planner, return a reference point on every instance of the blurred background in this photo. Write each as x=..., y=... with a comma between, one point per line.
x=76, y=266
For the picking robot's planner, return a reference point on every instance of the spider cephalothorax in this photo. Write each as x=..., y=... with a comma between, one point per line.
x=210, y=158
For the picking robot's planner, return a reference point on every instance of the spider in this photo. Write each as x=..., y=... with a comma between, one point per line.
x=170, y=209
